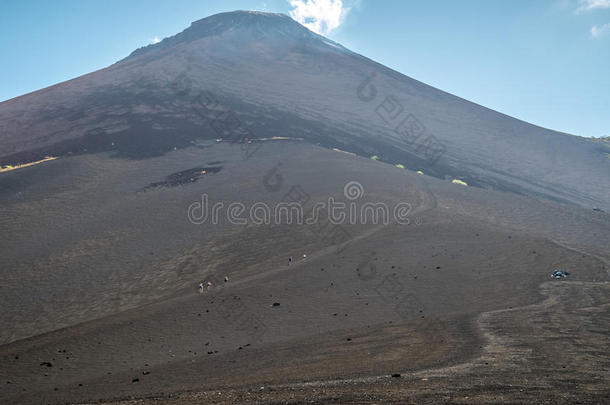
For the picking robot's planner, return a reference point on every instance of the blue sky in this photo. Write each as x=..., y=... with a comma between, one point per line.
x=544, y=61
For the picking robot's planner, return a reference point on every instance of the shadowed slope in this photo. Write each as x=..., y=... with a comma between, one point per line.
x=267, y=75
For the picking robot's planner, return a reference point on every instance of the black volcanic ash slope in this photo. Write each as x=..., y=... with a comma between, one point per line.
x=266, y=75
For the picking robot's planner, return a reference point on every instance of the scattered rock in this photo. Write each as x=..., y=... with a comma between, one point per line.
x=135, y=380
x=275, y=304
x=396, y=375
x=46, y=363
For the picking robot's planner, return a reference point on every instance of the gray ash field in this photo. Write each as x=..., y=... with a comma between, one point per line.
x=100, y=260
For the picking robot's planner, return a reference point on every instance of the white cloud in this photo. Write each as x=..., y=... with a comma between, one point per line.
x=586, y=5
x=155, y=40
x=321, y=16
x=599, y=30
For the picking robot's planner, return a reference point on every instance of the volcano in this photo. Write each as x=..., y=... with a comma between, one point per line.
x=107, y=194
x=273, y=77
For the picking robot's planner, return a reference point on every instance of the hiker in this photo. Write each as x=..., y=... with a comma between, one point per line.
x=289, y=260
x=200, y=288
x=209, y=284
x=226, y=279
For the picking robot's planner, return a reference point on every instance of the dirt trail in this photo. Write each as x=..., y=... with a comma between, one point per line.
x=428, y=203
x=553, y=350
